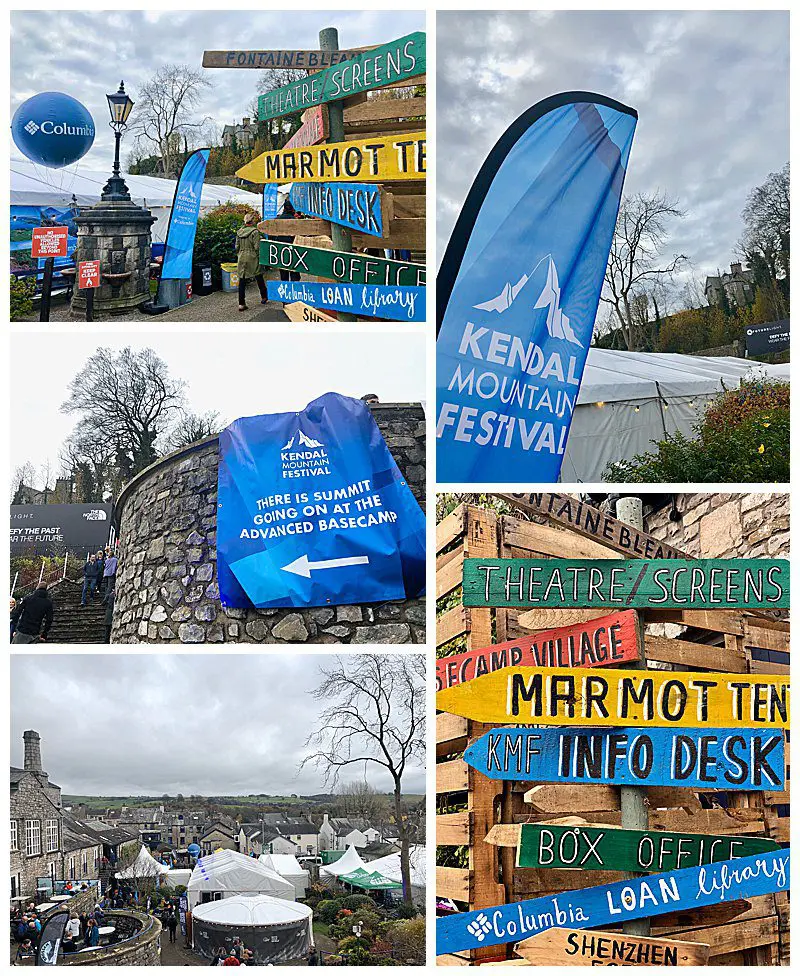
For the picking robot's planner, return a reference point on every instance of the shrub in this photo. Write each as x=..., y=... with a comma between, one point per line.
x=407, y=941
x=327, y=910
x=21, y=297
x=754, y=398
x=358, y=901
x=215, y=240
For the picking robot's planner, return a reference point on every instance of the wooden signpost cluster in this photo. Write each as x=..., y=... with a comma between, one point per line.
x=543, y=721
x=358, y=165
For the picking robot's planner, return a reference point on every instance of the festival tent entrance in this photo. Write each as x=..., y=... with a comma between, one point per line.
x=289, y=869
x=277, y=931
x=231, y=873
x=628, y=400
x=145, y=866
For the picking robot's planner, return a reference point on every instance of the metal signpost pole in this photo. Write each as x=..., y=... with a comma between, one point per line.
x=47, y=288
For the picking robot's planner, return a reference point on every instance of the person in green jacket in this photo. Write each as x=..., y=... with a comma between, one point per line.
x=248, y=239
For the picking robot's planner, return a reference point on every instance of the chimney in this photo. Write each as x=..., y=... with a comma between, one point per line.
x=736, y=268
x=33, y=752
x=245, y=121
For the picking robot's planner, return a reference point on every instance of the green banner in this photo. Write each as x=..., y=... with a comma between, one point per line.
x=354, y=269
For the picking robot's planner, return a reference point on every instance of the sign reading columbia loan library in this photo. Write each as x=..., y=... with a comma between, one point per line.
x=313, y=511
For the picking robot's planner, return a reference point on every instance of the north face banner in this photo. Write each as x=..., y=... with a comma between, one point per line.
x=313, y=511
x=518, y=289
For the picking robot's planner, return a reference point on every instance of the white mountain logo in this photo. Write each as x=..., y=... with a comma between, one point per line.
x=557, y=322
x=302, y=441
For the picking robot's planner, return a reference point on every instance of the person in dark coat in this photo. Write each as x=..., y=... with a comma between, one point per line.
x=172, y=924
x=248, y=263
x=92, y=574
x=32, y=617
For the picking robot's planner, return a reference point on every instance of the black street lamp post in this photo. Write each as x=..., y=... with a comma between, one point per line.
x=120, y=106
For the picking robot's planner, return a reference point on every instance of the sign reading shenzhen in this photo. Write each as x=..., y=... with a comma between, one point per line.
x=51, y=529
x=394, y=302
x=717, y=759
x=378, y=68
x=49, y=242
x=612, y=639
x=313, y=511
x=356, y=269
x=622, y=901
x=571, y=947
x=379, y=159
x=609, y=849
x=296, y=60
x=561, y=696
x=697, y=584
x=354, y=205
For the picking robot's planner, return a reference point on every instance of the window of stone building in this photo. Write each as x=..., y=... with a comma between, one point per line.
x=85, y=866
x=51, y=835
x=14, y=836
x=33, y=837
x=72, y=868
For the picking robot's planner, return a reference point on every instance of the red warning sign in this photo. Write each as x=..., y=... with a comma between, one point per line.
x=49, y=242
x=89, y=274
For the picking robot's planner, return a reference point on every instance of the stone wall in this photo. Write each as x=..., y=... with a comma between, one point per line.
x=167, y=579
x=143, y=949
x=35, y=799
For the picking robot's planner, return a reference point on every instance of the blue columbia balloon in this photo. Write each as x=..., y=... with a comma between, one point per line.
x=518, y=289
x=53, y=129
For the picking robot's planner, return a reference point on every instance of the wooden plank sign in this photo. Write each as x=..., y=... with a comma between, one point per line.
x=571, y=947
x=313, y=130
x=609, y=849
x=356, y=269
x=612, y=639
x=613, y=904
x=264, y=60
x=699, y=584
x=574, y=514
x=298, y=312
x=381, y=159
x=394, y=302
x=380, y=67
x=359, y=206
x=713, y=760
x=563, y=696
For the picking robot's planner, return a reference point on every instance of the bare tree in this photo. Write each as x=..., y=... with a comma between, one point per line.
x=88, y=457
x=634, y=263
x=374, y=712
x=24, y=477
x=193, y=427
x=362, y=801
x=165, y=111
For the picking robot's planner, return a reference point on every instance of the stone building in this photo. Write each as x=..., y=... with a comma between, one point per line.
x=338, y=833
x=167, y=588
x=81, y=850
x=244, y=135
x=218, y=835
x=737, y=285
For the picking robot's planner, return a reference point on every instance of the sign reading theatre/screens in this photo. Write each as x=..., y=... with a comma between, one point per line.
x=609, y=849
x=313, y=511
x=612, y=639
x=694, y=758
x=563, y=696
x=46, y=530
x=613, y=904
x=382, y=66
x=697, y=584
x=568, y=947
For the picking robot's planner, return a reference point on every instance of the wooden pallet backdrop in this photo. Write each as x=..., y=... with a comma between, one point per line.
x=755, y=932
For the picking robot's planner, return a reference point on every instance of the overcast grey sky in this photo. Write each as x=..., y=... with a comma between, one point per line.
x=129, y=724
x=711, y=89
x=85, y=53
x=236, y=374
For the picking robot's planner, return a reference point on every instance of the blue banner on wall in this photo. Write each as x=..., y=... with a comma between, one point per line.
x=355, y=205
x=269, y=208
x=519, y=286
x=183, y=219
x=399, y=303
x=313, y=511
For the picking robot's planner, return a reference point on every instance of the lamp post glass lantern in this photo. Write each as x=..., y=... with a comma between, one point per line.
x=119, y=105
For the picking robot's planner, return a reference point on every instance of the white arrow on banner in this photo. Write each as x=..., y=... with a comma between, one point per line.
x=303, y=566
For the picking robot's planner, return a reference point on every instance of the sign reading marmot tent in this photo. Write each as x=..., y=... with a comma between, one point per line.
x=49, y=530
x=313, y=511
x=519, y=285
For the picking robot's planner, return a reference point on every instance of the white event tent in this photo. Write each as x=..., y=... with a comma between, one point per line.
x=349, y=861
x=389, y=866
x=145, y=866
x=229, y=873
x=628, y=400
x=289, y=869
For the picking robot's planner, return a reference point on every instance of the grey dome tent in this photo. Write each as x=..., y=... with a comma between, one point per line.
x=276, y=930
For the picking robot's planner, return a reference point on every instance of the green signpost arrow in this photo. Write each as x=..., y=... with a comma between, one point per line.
x=354, y=269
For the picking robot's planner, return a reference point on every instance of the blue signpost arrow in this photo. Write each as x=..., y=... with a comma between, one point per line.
x=399, y=303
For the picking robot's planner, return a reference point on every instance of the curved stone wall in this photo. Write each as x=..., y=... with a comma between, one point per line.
x=167, y=579
x=142, y=949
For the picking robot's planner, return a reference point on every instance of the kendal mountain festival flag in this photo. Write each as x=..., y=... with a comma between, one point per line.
x=519, y=285
x=183, y=219
x=50, y=939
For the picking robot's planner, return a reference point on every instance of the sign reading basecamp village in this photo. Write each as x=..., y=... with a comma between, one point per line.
x=356, y=269
x=608, y=849
x=380, y=159
x=303, y=60
x=613, y=904
x=561, y=696
x=388, y=64
x=612, y=639
x=698, y=584
x=718, y=759
x=574, y=514
x=355, y=205
x=568, y=947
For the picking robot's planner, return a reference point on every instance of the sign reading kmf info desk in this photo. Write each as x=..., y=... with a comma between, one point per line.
x=313, y=511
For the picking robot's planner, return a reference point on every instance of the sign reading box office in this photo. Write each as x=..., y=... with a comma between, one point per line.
x=697, y=584
x=356, y=269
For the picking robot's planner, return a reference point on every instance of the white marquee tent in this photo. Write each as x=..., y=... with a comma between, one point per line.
x=145, y=866
x=289, y=869
x=229, y=873
x=389, y=866
x=628, y=400
x=349, y=861
x=34, y=186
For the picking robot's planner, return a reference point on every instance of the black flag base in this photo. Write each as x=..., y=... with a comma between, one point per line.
x=153, y=308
